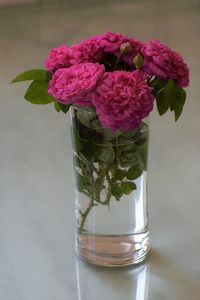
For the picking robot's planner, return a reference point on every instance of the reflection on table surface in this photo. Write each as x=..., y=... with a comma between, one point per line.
x=156, y=278
x=102, y=283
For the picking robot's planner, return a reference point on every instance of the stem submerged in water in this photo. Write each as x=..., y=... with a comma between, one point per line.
x=85, y=214
x=106, y=163
x=95, y=196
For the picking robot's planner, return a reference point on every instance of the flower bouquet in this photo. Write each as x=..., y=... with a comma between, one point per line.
x=109, y=83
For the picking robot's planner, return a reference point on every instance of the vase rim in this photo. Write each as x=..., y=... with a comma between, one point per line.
x=83, y=109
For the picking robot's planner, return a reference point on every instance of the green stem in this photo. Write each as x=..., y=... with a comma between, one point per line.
x=117, y=61
x=118, y=152
x=85, y=214
x=104, y=174
x=99, y=187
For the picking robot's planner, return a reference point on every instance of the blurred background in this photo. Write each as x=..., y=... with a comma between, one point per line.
x=37, y=259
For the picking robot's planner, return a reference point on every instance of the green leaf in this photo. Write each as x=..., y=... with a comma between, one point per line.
x=107, y=133
x=169, y=90
x=162, y=103
x=158, y=85
x=76, y=141
x=83, y=141
x=178, y=101
x=178, y=112
x=170, y=96
x=129, y=133
x=134, y=172
x=85, y=117
x=88, y=151
x=164, y=96
x=35, y=74
x=120, y=174
x=143, y=151
x=127, y=187
x=131, y=158
x=57, y=107
x=107, y=154
x=116, y=191
x=80, y=182
x=61, y=107
x=37, y=93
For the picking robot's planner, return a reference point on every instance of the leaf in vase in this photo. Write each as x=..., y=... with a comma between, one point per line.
x=84, y=133
x=107, y=154
x=76, y=141
x=108, y=133
x=143, y=151
x=88, y=150
x=127, y=187
x=131, y=158
x=120, y=174
x=134, y=172
x=85, y=117
x=80, y=182
x=116, y=191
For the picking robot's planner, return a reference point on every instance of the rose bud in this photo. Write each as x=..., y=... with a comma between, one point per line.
x=138, y=61
x=125, y=48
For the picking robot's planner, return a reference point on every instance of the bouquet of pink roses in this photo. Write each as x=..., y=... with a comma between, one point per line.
x=117, y=75
x=112, y=81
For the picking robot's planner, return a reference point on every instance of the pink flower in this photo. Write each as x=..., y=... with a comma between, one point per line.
x=161, y=61
x=111, y=42
x=136, y=47
x=122, y=99
x=87, y=51
x=58, y=58
x=75, y=84
x=91, y=50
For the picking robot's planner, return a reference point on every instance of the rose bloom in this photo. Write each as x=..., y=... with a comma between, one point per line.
x=122, y=99
x=136, y=47
x=111, y=42
x=75, y=84
x=161, y=61
x=87, y=51
x=59, y=57
x=91, y=50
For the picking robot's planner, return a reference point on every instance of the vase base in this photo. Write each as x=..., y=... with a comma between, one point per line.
x=112, y=250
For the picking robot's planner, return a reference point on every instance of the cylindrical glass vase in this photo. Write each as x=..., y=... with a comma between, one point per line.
x=111, y=205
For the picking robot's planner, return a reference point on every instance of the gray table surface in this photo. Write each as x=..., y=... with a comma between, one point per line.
x=37, y=258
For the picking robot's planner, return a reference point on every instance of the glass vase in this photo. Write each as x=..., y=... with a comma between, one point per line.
x=110, y=179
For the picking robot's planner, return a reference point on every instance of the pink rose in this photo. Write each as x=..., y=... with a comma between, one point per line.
x=58, y=58
x=87, y=51
x=75, y=84
x=111, y=42
x=122, y=99
x=136, y=47
x=161, y=61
